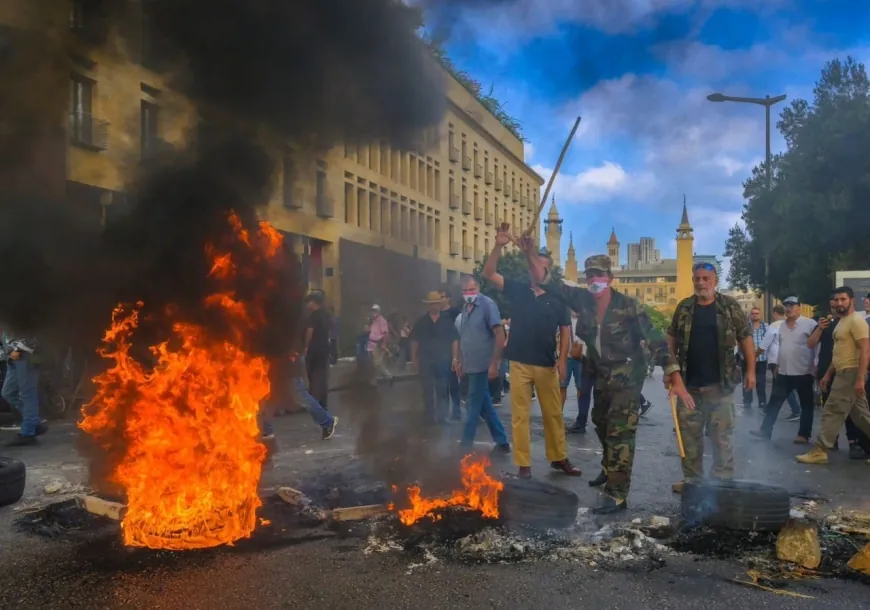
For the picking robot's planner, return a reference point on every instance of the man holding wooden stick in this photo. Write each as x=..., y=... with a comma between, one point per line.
x=705, y=330
x=615, y=329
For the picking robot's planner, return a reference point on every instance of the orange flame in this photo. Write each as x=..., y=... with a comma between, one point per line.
x=192, y=454
x=479, y=492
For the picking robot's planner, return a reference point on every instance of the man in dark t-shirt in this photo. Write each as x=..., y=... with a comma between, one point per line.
x=316, y=348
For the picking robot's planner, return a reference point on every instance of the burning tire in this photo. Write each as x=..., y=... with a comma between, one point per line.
x=12, y=478
x=537, y=504
x=736, y=505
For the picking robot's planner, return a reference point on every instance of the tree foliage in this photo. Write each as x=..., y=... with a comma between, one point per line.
x=814, y=220
x=660, y=321
x=513, y=266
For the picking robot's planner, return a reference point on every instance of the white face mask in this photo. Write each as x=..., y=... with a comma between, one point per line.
x=598, y=287
x=470, y=298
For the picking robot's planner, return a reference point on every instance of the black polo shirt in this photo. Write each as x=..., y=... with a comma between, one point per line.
x=826, y=349
x=535, y=321
x=435, y=338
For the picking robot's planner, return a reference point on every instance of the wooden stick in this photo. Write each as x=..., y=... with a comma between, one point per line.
x=358, y=513
x=103, y=508
x=553, y=177
x=677, y=426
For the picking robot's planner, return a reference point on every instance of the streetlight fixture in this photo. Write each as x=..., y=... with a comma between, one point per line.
x=767, y=102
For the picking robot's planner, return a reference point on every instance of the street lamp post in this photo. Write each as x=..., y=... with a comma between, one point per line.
x=767, y=102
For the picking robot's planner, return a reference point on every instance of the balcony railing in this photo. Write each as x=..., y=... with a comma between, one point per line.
x=294, y=198
x=466, y=207
x=88, y=132
x=498, y=184
x=515, y=194
x=454, y=248
x=325, y=206
x=454, y=154
x=488, y=178
x=478, y=170
x=454, y=202
x=524, y=201
x=478, y=255
x=466, y=163
x=489, y=220
x=466, y=252
x=478, y=213
x=507, y=190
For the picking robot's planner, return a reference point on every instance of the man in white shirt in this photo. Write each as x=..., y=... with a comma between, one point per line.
x=796, y=361
x=770, y=346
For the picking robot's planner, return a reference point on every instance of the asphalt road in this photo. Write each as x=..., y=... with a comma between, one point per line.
x=322, y=569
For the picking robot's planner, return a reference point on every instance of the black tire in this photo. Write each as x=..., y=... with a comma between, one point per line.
x=736, y=505
x=537, y=504
x=13, y=475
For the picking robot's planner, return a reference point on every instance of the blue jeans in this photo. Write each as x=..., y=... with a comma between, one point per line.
x=435, y=386
x=478, y=404
x=20, y=389
x=583, y=384
x=320, y=416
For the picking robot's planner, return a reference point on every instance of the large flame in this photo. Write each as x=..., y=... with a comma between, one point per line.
x=479, y=492
x=192, y=451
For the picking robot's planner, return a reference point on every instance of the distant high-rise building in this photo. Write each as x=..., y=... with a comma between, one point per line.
x=633, y=256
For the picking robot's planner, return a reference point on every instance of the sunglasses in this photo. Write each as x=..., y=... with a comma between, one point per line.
x=705, y=267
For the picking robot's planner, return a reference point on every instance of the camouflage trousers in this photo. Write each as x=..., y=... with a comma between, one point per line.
x=615, y=415
x=714, y=413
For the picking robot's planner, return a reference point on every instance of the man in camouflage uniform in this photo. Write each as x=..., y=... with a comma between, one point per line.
x=615, y=329
x=705, y=330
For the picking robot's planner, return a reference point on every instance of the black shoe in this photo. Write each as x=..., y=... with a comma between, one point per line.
x=41, y=429
x=610, y=505
x=575, y=429
x=856, y=453
x=501, y=450
x=645, y=407
x=794, y=417
x=329, y=431
x=760, y=434
x=600, y=480
x=525, y=472
x=21, y=440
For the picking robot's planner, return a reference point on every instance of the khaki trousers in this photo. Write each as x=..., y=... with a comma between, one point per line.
x=843, y=403
x=545, y=380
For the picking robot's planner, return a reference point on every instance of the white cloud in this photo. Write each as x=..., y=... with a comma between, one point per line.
x=595, y=184
x=528, y=151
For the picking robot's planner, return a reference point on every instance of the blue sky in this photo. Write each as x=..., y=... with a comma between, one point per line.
x=638, y=72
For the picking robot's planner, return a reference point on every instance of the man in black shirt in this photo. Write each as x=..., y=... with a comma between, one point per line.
x=537, y=317
x=823, y=337
x=316, y=348
x=433, y=347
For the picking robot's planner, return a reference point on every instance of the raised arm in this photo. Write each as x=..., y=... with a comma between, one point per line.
x=490, y=267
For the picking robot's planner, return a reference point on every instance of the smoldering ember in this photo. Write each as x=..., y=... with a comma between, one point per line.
x=268, y=264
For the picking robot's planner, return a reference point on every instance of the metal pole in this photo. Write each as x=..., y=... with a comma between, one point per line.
x=768, y=304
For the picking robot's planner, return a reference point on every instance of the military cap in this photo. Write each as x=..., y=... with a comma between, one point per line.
x=601, y=262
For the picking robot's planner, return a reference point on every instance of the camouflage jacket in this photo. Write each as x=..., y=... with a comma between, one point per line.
x=626, y=332
x=733, y=327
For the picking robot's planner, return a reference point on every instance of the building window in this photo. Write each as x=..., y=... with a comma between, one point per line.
x=288, y=167
x=149, y=116
x=85, y=129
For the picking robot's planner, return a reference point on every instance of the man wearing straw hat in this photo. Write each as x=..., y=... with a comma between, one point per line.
x=616, y=331
x=433, y=342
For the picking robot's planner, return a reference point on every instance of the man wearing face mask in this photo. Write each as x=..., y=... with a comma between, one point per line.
x=477, y=356
x=705, y=330
x=616, y=330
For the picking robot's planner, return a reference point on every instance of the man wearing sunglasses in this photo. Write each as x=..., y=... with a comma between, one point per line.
x=705, y=330
x=616, y=330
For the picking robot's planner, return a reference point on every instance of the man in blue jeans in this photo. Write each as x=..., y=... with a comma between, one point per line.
x=320, y=415
x=477, y=357
x=20, y=387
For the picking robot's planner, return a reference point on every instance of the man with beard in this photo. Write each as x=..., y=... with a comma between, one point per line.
x=845, y=378
x=616, y=330
x=705, y=329
x=536, y=317
x=823, y=337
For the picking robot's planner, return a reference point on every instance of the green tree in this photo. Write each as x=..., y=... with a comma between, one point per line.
x=660, y=322
x=513, y=266
x=814, y=219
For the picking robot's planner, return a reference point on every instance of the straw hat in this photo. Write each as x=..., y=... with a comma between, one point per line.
x=433, y=297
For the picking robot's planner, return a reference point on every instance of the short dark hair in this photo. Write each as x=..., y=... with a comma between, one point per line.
x=779, y=309
x=315, y=297
x=845, y=290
